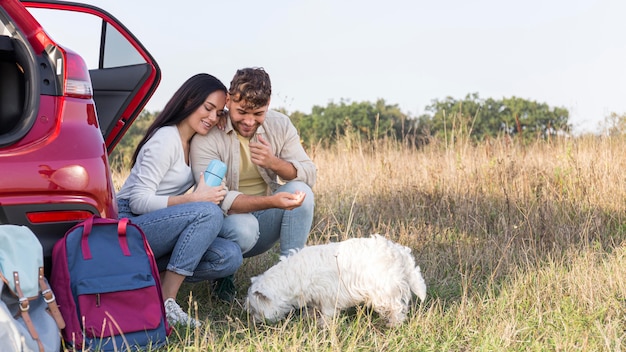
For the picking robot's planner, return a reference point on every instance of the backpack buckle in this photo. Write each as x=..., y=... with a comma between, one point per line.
x=24, y=304
x=48, y=293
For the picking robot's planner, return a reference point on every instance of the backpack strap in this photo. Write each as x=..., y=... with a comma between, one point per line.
x=121, y=231
x=88, y=225
x=24, y=306
x=48, y=297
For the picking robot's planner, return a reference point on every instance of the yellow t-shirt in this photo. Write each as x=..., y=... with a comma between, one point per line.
x=250, y=181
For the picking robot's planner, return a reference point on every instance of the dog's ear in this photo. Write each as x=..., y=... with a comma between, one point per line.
x=260, y=296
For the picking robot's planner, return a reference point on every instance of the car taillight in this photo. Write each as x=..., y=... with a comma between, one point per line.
x=77, y=79
x=57, y=216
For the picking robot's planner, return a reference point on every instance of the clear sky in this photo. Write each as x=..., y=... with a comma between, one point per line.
x=565, y=53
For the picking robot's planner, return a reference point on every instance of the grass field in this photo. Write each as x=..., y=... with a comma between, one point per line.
x=521, y=246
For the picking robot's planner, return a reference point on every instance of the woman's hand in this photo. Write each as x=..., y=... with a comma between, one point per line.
x=206, y=193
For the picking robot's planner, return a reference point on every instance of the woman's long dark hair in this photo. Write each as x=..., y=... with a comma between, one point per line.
x=186, y=100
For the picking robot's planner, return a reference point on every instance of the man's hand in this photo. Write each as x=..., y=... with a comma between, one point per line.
x=262, y=156
x=261, y=153
x=222, y=118
x=288, y=201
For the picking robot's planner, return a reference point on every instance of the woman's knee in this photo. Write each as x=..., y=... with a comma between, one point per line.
x=203, y=217
x=210, y=212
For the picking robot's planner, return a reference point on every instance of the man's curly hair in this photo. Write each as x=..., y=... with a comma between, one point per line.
x=251, y=86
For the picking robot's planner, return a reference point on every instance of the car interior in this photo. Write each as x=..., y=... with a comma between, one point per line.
x=11, y=99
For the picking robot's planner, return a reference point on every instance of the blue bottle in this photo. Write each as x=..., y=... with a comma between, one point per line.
x=214, y=173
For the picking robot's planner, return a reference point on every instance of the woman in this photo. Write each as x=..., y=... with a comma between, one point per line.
x=181, y=226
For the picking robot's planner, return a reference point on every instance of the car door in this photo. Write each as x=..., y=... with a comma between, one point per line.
x=124, y=74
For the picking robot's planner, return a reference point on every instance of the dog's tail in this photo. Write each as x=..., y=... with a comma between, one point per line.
x=416, y=281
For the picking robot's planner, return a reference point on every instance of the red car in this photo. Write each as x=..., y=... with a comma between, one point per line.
x=60, y=119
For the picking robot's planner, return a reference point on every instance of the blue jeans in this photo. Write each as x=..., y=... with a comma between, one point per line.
x=257, y=232
x=184, y=240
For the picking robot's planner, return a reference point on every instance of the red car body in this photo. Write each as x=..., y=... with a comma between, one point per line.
x=59, y=121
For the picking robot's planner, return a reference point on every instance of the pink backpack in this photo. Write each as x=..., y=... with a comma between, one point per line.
x=107, y=285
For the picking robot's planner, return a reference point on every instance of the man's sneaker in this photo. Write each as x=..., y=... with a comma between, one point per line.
x=225, y=288
x=176, y=315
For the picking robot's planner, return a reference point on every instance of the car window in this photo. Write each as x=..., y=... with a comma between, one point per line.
x=3, y=28
x=118, y=51
x=85, y=40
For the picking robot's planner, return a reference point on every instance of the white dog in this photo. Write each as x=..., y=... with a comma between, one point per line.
x=374, y=271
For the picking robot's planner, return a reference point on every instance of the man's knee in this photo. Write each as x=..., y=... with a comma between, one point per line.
x=293, y=186
x=308, y=205
x=242, y=229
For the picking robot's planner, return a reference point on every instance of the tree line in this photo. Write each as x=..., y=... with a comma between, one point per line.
x=471, y=117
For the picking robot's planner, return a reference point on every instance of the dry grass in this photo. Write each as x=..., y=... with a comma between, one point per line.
x=521, y=246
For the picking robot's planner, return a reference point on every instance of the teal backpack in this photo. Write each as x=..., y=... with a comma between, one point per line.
x=30, y=319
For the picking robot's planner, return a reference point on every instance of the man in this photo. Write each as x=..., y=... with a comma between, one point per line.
x=269, y=176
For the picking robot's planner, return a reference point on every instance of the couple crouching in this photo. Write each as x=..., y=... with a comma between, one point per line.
x=266, y=195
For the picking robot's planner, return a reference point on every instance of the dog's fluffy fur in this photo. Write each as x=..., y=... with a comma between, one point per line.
x=372, y=271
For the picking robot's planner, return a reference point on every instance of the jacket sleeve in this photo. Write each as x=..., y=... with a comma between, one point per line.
x=293, y=152
x=201, y=152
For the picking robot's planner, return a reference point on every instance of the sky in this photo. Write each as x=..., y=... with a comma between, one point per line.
x=565, y=53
